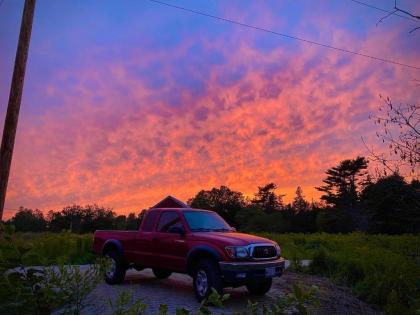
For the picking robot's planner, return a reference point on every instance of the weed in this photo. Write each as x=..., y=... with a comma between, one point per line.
x=126, y=304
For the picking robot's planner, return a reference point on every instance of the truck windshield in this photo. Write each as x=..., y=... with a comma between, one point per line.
x=203, y=221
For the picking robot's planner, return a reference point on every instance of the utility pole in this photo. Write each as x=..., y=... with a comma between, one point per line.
x=15, y=97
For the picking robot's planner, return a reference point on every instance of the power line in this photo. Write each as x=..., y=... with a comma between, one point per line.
x=285, y=35
x=383, y=10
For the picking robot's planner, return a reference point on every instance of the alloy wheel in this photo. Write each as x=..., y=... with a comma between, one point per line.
x=201, y=283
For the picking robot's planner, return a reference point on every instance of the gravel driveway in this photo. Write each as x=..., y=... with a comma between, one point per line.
x=176, y=292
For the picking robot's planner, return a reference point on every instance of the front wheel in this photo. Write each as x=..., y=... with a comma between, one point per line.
x=115, y=268
x=260, y=287
x=206, y=276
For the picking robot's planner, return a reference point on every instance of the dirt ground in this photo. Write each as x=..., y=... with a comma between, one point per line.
x=176, y=292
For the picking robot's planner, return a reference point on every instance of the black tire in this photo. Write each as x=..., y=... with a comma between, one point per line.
x=259, y=287
x=206, y=271
x=161, y=273
x=115, y=274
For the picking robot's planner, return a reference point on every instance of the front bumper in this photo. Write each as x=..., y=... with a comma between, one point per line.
x=243, y=271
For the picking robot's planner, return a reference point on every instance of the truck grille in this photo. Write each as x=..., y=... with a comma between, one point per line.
x=264, y=252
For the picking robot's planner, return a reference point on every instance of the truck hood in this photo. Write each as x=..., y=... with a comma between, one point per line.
x=231, y=238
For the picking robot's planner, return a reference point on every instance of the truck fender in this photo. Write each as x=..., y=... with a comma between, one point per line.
x=115, y=244
x=198, y=252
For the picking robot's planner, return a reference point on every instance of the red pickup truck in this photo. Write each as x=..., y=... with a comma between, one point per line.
x=196, y=242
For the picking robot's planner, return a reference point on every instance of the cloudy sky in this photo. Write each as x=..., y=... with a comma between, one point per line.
x=128, y=101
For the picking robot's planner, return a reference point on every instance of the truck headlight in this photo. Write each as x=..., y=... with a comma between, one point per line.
x=278, y=249
x=237, y=251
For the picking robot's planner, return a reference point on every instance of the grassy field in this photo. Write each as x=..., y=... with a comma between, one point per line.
x=50, y=248
x=380, y=269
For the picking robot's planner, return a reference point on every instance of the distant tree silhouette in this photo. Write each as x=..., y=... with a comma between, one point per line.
x=267, y=199
x=80, y=219
x=299, y=203
x=343, y=182
x=222, y=200
x=29, y=220
x=385, y=205
x=334, y=220
x=342, y=188
x=133, y=221
x=393, y=205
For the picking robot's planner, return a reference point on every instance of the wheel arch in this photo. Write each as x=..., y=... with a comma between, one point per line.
x=201, y=252
x=113, y=244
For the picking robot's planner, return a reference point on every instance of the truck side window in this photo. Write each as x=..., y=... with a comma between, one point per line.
x=149, y=221
x=169, y=220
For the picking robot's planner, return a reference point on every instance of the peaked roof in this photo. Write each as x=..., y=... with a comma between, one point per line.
x=170, y=202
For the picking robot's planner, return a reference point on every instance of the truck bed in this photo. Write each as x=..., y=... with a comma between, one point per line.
x=101, y=236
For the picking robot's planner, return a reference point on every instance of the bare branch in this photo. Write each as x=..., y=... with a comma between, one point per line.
x=375, y=157
x=406, y=12
x=395, y=12
x=399, y=130
x=386, y=16
x=414, y=29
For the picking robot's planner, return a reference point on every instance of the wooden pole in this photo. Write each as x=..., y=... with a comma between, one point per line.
x=15, y=97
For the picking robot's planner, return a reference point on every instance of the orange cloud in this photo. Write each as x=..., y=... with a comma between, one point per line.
x=127, y=131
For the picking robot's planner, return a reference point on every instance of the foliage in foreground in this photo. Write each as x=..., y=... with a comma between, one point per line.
x=40, y=290
x=380, y=269
x=297, y=302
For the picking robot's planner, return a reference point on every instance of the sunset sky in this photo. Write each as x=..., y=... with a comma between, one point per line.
x=126, y=102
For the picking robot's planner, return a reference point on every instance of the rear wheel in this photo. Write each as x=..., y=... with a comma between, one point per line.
x=259, y=287
x=115, y=268
x=206, y=276
x=161, y=273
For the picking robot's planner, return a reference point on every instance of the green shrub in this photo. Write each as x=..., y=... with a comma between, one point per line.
x=126, y=304
x=51, y=248
x=380, y=269
x=40, y=290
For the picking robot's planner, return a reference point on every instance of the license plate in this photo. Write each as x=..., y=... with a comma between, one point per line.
x=270, y=272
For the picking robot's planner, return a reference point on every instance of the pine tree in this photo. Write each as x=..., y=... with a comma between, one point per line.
x=267, y=199
x=342, y=182
x=299, y=203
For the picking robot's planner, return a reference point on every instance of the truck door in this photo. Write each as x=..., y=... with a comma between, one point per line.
x=145, y=252
x=170, y=244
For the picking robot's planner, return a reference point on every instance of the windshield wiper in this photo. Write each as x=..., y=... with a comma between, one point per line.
x=201, y=230
x=221, y=230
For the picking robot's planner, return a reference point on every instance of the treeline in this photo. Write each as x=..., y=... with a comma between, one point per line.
x=75, y=218
x=351, y=200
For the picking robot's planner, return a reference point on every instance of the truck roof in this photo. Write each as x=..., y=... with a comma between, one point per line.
x=178, y=209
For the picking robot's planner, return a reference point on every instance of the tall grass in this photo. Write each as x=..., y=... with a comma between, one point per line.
x=51, y=248
x=380, y=269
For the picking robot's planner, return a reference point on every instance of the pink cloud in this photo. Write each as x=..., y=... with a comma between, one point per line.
x=283, y=116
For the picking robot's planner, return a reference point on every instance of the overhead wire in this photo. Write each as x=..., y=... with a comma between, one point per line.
x=307, y=41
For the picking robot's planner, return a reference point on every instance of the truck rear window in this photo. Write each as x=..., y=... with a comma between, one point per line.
x=149, y=221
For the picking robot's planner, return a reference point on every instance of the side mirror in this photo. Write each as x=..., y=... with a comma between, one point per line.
x=233, y=229
x=176, y=230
